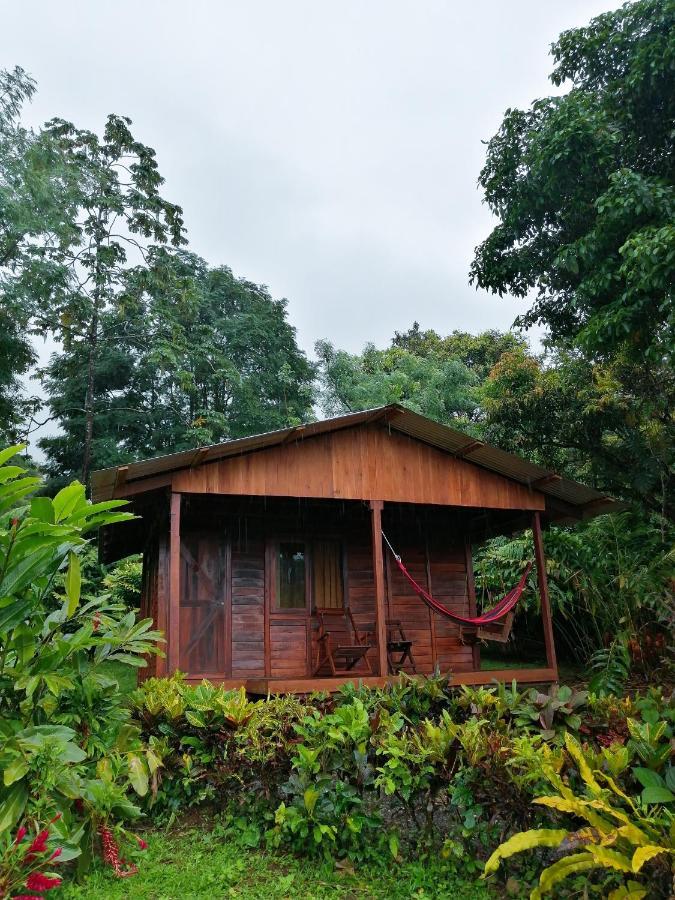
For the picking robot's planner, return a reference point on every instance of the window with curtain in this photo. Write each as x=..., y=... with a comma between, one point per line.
x=327, y=571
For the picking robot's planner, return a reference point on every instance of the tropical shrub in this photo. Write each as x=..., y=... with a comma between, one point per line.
x=622, y=834
x=373, y=773
x=67, y=749
x=611, y=573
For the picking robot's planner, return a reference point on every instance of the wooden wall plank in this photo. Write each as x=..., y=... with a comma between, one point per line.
x=357, y=464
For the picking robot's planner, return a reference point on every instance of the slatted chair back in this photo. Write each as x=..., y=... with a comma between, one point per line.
x=399, y=648
x=341, y=645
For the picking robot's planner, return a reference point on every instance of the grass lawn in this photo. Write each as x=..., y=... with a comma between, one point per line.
x=195, y=863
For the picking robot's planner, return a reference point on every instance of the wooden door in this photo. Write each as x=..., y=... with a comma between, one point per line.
x=205, y=604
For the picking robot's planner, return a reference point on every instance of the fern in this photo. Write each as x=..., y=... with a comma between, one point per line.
x=612, y=668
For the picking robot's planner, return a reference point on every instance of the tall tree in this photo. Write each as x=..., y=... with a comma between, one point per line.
x=221, y=360
x=189, y=356
x=120, y=214
x=585, y=420
x=35, y=212
x=431, y=384
x=584, y=187
x=478, y=352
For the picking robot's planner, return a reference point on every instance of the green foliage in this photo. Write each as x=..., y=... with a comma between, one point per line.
x=67, y=748
x=611, y=666
x=582, y=185
x=117, y=210
x=34, y=210
x=371, y=775
x=437, y=387
x=214, y=357
x=605, y=422
x=622, y=834
x=123, y=582
x=478, y=352
x=555, y=712
x=611, y=573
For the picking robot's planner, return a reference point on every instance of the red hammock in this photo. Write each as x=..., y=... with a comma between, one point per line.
x=501, y=609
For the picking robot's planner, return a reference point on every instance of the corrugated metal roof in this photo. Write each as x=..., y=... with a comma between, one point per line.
x=443, y=437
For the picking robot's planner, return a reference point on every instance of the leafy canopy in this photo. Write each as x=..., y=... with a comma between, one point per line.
x=583, y=187
x=436, y=386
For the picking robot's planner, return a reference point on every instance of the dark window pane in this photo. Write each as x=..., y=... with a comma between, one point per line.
x=291, y=576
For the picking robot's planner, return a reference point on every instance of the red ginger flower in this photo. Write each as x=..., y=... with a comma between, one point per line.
x=111, y=854
x=142, y=844
x=39, y=844
x=39, y=882
x=56, y=853
x=20, y=835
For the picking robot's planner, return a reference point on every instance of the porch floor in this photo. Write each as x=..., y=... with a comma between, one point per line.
x=264, y=686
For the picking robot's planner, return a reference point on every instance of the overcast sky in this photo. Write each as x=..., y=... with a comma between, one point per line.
x=327, y=150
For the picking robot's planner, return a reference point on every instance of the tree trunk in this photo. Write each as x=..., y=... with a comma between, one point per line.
x=92, y=339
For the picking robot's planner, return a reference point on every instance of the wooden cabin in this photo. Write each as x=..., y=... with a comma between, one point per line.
x=263, y=556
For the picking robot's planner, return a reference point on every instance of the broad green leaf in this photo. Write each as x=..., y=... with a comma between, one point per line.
x=657, y=795
x=14, y=613
x=9, y=472
x=525, y=840
x=138, y=774
x=42, y=508
x=310, y=797
x=12, y=804
x=648, y=778
x=15, y=770
x=9, y=452
x=67, y=500
x=195, y=718
x=56, y=684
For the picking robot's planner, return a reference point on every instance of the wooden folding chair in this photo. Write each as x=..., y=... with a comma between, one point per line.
x=397, y=643
x=340, y=643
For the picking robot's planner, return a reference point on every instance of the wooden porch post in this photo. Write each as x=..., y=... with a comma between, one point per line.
x=378, y=577
x=471, y=594
x=173, y=636
x=543, y=593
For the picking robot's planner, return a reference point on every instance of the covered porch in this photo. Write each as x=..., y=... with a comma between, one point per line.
x=267, y=593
